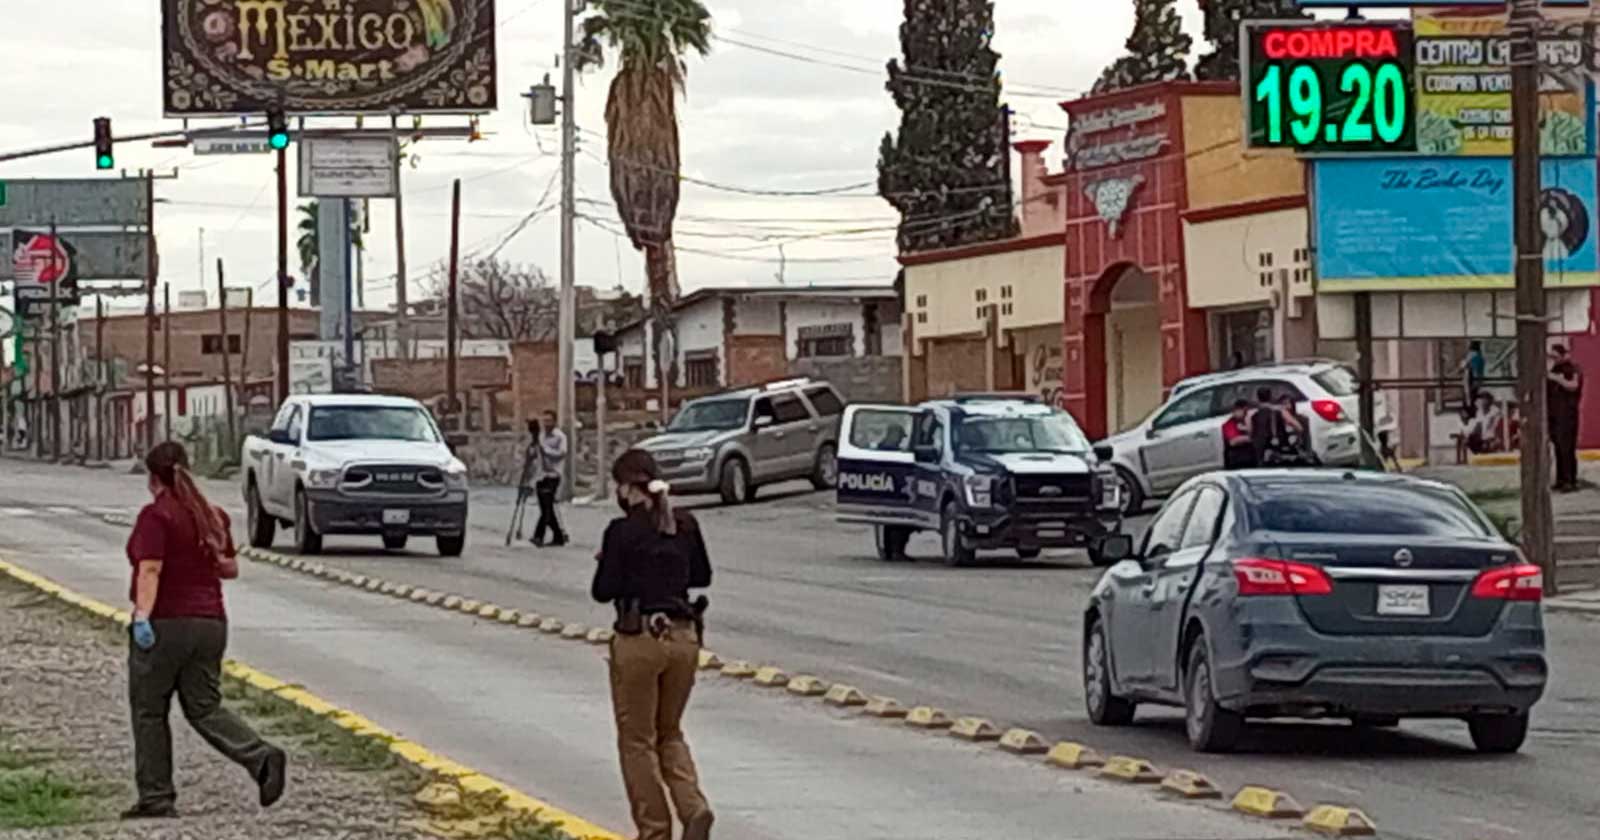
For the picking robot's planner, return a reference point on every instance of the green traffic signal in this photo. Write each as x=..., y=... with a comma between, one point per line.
x=278, y=140
x=104, y=162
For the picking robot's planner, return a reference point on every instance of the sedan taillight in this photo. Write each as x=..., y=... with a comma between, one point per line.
x=1280, y=577
x=1522, y=582
x=1329, y=410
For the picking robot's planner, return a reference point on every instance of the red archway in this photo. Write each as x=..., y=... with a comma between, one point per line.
x=1092, y=334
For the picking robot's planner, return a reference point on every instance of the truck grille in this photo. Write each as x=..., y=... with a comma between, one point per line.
x=1035, y=493
x=395, y=479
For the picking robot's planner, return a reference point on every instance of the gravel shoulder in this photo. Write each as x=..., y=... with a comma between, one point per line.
x=66, y=753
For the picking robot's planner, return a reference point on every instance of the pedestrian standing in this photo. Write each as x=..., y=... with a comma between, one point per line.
x=181, y=551
x=649, y=560
x=1238, y=449
x=1474, y=367
x=1564, y=393
x=552, y=464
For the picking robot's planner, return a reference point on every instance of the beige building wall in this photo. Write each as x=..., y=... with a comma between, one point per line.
x=1025, y=286
x=1227, y=257
x=1133, y=364
x=1219, y=171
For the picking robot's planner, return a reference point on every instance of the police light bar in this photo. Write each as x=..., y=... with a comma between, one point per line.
x=999, y=396
x=786, y=383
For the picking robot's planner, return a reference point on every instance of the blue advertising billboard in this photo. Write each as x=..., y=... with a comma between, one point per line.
x=1445, y=223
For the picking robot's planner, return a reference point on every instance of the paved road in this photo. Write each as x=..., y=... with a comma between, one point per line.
x=533, y=711
x=797, y=589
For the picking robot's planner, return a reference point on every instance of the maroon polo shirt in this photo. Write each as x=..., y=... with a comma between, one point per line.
x=190, y=587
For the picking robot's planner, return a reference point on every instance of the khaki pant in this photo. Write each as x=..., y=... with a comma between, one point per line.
x=650, y=684
x=187, y=661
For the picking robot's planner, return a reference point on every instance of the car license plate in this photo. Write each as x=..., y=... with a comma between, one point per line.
x=1403, y=600
x=397, y=517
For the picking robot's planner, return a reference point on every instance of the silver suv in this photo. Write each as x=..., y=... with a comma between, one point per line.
x=1183, y=438
x=733, y=443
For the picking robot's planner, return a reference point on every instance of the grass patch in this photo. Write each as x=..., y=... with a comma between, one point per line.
x=332, y=744
x=1495, y=494
x=33, y=795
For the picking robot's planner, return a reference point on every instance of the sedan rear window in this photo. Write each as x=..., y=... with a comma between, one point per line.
x=1338, y=381
x=1369, y=509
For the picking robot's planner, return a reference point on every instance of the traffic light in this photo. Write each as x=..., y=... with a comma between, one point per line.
x=103, y=158
x=277, y=130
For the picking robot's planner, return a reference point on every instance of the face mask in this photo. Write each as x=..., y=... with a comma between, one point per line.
x=622, y=500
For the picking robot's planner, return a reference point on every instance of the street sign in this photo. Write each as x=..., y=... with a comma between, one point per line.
x=225, y=145
x=95, y=255
x=100, y=202
x=347, y=167
x=1330, y=88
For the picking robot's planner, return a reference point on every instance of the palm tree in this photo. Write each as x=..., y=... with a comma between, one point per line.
x=310, y=245
x=650, y=40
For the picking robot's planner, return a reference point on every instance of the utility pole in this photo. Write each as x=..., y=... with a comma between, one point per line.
x=450, y=407
x=55, y=344
x=567, y=318
x=102, y=368
x=227, y=373
x=400, y=308
x=244, y=355
x=283, y=275
x=166, y=357
x=151, y=270
x=1537, y=527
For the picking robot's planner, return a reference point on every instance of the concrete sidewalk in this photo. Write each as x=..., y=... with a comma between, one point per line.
x=535, y=713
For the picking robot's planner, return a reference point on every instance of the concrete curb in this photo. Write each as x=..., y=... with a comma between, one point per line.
x=1251, y=801
x=410, y=752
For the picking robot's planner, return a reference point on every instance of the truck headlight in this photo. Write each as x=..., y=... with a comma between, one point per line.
x=980, y=490
x=455, y=476
x=702, y=453
x=323, y=479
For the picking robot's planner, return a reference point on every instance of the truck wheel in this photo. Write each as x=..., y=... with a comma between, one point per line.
x=262, y=525
x=395, y=543
x=1132, y=493
x=735, y=485
x=306, y=538
x=956, y=553
x=825, y=474
x=452, y=546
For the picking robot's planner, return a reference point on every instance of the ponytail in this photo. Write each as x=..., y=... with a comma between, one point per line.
x=666, y=520
x=169, y=463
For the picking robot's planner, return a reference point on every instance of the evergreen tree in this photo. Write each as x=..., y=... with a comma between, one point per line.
x=1158, y=49
x=1222, y=32
x=948, y=171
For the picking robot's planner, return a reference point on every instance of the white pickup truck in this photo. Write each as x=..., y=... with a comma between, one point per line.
x=345, y=464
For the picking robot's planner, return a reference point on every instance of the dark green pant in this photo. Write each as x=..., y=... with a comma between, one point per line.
x=186, y=659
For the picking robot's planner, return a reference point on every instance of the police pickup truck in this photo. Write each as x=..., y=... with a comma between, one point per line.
x=983, y=471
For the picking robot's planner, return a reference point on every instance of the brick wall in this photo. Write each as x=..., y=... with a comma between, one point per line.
x=752, y=359
x=424, y=379
x=861, y=379
x=124, y=339
x=956, y=365
x=535, y=372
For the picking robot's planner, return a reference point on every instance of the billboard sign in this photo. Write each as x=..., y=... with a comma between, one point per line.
x=225, y=57
x=1403, y=224
x=1464, y=90
x=44, y=266
x=80, y=202
x=1330, y=87
x=90, y=255
x=347, y=167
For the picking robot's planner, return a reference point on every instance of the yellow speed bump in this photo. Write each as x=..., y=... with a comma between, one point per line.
x=1266, y=802
x=489, y=611
x=844, y=695
x=402, y=590
x=739, y=670
x=469, y=606
x=552, y=625
x=436, y=599
x=530, y=620
x=1023, y=742
x=509, y=616
x=384, y=587
x=450, y=602
x=1133, y=770
x=1339, y=821
x=710, y=661
x=1190, y=785
x=927, y=717
x=975, y=729
x=601, y=636
x=771, y=677
x=1074, y=756
x=884, y=707
x=419, y=595
x=807, y=686
x=439, y=798
x=574, y=632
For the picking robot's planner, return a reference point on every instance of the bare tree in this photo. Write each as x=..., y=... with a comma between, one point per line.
x=501, y=300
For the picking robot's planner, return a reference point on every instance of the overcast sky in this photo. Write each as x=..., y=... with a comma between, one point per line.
x=752, y=119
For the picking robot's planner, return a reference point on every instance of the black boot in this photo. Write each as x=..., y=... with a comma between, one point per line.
x=274, y=776
x=151, y=811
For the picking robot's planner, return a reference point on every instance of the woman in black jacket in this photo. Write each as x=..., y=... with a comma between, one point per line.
x=649, y=560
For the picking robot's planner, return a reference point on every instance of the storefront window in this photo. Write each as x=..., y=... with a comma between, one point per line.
x=1244, y=338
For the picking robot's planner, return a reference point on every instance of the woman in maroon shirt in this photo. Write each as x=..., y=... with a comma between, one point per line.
x=181, y=551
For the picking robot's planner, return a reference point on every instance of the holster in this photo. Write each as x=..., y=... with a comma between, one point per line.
x=630, y=618
x=698, y=610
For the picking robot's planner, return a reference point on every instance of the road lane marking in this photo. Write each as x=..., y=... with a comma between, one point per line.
x=411, y=752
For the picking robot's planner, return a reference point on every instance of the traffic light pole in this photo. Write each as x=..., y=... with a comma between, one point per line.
x=151, y=268
x=283, y=275
x=567, y=316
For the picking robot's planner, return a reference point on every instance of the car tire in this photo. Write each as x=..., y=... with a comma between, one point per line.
x=887, y=536
x=262, y=526
x=734, y=482
x=1133, y=498
x=1100, y=700
x=1499, y=734
x=395, y=543
x=306, y=538
x=825, y=473
x=1029, y=553
x=451, y=546
x=956, y=554
x=1211, y=728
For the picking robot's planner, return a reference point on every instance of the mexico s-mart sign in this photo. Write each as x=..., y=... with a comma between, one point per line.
x=328, y=56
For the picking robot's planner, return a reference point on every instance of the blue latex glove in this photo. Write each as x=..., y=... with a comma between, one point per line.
x=143, y=634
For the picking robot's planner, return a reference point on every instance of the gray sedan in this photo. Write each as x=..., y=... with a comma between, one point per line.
x=1318, y=594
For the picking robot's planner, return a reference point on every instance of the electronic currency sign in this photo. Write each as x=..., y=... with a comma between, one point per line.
x=1330, y=88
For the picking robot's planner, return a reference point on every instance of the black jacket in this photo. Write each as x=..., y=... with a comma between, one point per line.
x=637, y=562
